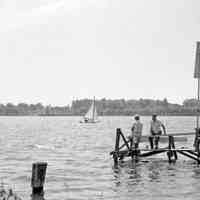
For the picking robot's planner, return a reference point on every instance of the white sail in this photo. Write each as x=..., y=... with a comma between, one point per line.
x=95, y=116
x=91, y=115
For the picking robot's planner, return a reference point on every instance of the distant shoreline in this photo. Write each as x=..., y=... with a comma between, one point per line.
x=178, y=115
x=105, y=107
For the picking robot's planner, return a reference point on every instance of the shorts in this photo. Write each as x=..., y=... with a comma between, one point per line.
x=156, y=134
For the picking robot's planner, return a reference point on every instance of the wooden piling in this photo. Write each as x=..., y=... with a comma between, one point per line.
x=197, y=135
x=172, y=155
x=38, y=178
x=169, y=152
x=116, y=153
x=198, y=149
x=173, y=147
x=197, y=144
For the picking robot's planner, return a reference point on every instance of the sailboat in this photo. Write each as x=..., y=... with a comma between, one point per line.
x=91, y=116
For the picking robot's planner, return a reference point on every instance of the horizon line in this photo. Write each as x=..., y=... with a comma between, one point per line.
x=96, y=99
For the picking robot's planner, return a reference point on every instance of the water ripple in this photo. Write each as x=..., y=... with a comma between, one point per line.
x=79, y=165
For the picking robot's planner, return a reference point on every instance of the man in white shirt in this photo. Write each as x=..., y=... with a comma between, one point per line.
x=136, y=131
x=156, y=130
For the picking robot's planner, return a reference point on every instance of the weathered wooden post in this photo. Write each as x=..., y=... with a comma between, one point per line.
x=169, y=153
x=38, y=178
x=116, y=153
x=173, y=146
x=197, y=138
x=197, y=144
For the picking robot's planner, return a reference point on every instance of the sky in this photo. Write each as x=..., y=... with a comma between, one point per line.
x=56, y=51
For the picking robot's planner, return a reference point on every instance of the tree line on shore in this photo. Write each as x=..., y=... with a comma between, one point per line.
x=105, y=107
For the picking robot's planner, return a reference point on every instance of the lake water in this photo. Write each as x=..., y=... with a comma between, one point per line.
x=79, y=164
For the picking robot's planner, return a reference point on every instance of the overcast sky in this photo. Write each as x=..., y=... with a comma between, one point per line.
x=54, y=51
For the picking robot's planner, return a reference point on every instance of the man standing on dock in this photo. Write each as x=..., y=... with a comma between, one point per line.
x=136, y=131
x=156, y=131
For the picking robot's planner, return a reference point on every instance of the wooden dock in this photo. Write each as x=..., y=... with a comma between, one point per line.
x=126, y=149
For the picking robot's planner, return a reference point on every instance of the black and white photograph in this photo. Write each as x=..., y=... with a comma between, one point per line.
x=99, y=100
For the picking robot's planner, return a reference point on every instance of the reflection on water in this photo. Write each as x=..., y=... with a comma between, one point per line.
x=79, y=165
x=154, y=172
x=157, y=179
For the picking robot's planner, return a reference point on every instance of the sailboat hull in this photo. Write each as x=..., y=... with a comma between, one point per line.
x=90, y=121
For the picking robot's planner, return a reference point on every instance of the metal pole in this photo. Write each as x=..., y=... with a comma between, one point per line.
x=198, y=97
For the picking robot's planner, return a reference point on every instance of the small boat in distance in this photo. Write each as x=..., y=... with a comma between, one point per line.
x=91, y=116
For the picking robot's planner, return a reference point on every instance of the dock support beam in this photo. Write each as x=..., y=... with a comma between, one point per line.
x=196, y=139
x=171, y=154
x=197, y=143
x=173, y=147
x=116, y=153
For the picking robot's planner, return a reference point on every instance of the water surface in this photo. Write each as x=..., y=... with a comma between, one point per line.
x=79, y=164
